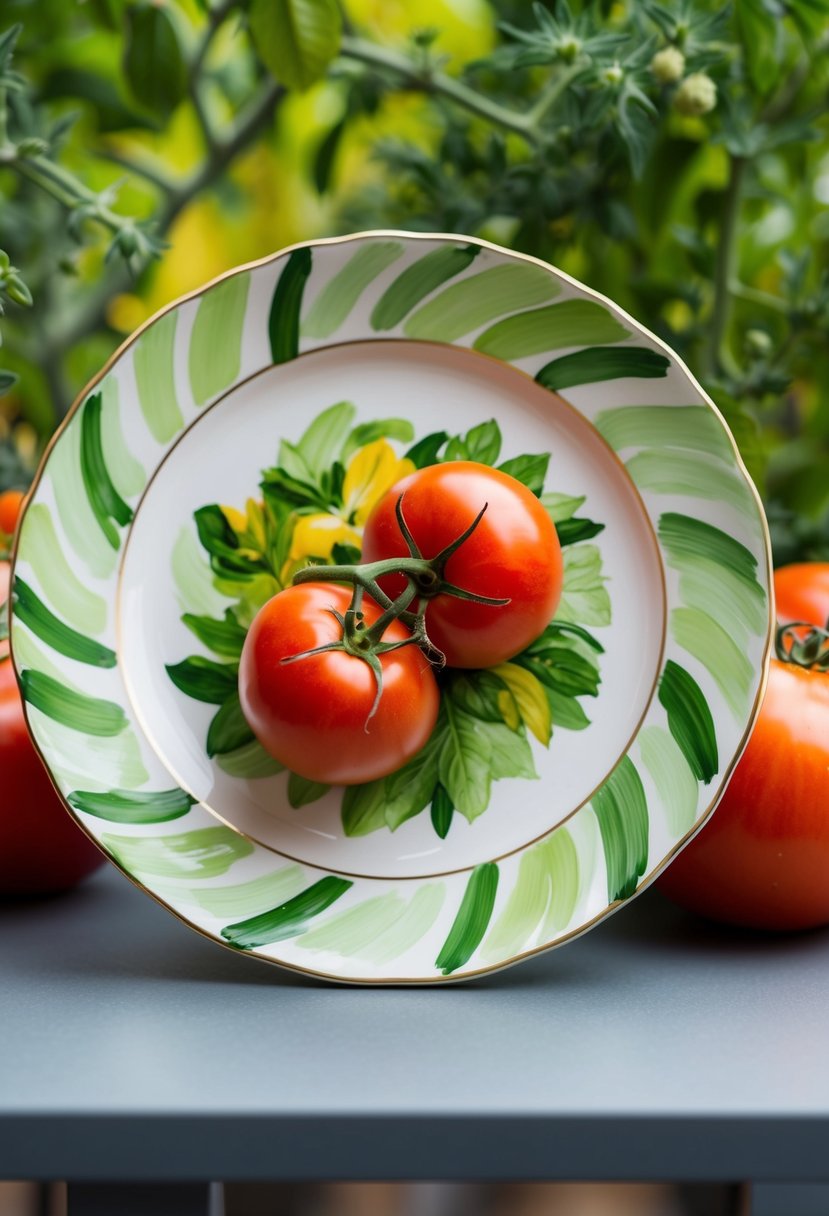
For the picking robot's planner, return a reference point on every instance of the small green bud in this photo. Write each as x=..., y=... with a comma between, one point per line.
x=569, y=48
x=668, y=65
x=32, y=146
x=613, y=75
x=17, y=290
x=127, y=241
x=696, y=95
x=758, y=343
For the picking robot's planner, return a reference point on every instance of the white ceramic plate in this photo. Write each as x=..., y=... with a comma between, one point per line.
x=148, y=544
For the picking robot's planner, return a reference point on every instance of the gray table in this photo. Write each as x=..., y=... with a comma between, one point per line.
x=652, y=1048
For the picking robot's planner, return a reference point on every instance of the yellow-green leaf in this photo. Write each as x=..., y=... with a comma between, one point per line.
x=296, y=39
x=530, y=697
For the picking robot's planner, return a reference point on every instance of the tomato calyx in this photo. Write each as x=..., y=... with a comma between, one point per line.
x=809, y=649
x=425, y=579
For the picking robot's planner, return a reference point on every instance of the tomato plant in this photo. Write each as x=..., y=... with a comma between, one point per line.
x=314, y=705
x=762, y=860
x=42, y=850
x=513, y=554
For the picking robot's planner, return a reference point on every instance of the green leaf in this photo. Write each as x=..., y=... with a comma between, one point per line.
x=326, y=155
x=759, y=30
x=566, y=711
x=364, y=808
x=689, y=720
x=7, y=380
x=410, y=789
x=154, y=63
x=418, y=280
x=510, y=752
x=104, y=499
x=442, y=811
x=584, y=598
x=225, y=637
x=380, y=428
x=561, y=507
x=425, y=451
x=464, y=762
x=288, y=919
x=323, y=439
x=477, y=693
x=132, y=806
x=204, y=679
x=296, y=39
x=529, y=470
x=30, y=609
x=228, y=730
x=286, y=305
x=622, y=811
x=472, y=919
x=89, y=715
x=215, y=534
x=599, y=363
x=483, y=442
x=250, y=762
x=301, y=791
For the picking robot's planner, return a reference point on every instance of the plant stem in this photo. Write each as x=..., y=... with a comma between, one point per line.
x=718, y=354
x=151, y=173
x=550, y=95
x=429, y=80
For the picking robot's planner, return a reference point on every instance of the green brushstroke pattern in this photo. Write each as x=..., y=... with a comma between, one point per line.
x=132, y=806
x=417, y=281
x=128, y=475
x=28, y=653
x=665, y=426
x=689, y=720
x=672, y=471
x=215, y=356
x=544, y=895
x=250, y=762
x=572, y=323
x=31, y=610
x=108, y=507
x=203, y=853
x=95, y=762
x=193, y=578
x=380, y=929
x=705, y=639
x=601, y=363
x=472, y=919
x=676, y=785
x=153, y=356
x=89, y=715
x=682, y=536
x=253, y=896
x=288, y=919
x=286, y=306
x=336, y=300
x=76, y=515
x=480, y=298
x=622, y=813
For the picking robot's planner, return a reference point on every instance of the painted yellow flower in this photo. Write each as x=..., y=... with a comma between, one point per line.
x=371, y=471
x=249, y=526
x=315, y=536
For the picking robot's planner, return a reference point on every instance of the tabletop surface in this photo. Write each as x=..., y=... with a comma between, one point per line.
x=654, y=1046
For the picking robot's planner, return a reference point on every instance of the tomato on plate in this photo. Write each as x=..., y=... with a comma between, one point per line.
x=513, y=554
x=762, y=859
x=314, y=714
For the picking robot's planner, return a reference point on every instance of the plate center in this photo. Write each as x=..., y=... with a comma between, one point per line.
x=613, y=586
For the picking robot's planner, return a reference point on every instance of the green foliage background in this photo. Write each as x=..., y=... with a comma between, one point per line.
x=673, y=156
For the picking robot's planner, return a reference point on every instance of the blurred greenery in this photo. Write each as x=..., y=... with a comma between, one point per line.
x=671, y=155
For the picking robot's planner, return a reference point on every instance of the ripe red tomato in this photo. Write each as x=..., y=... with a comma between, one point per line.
x=762, y=860
x=801, y=592
x=313, y=714
x=513, y=554
x=10, y=503
x=42, y=851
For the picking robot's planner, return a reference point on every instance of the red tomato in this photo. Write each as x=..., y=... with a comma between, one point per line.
x=10, y=503
x=513, y=554
x=801, y=592
x=313, y=714
x=42, y=851
x=762, y=860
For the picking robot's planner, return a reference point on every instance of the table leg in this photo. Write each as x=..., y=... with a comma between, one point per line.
x=787, y=1199
x=145, y=1199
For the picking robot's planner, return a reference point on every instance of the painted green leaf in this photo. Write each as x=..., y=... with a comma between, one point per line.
x=562, y=860
x=364, y=808
x=477, y=299
x=228, y=729
x=510, y=754
x=302, y=792
x=472, y=919
x=560, y=507
x=89, y=715
x=543, y=897
x=287, y=919
x=584, y=598
x=379, y=428
x=464, y=762
x=336, y=300
x=250, y=762
x=215, y=356
x=410, y=789
x=286, y=305
x=599, y=363
x=674, y=471
x=324, y=438
x=153, y=359
x=204, y=679
x=226, y=637
x=40, y=547
x=296, y=39
x=683, y=536
x=676, y=785
x=705, y=639
x=574, y=531
x=132, y=806
x=350, y=932
x=530, y=697
x=566, y=711
x=202, y=853
x=127, y=471
x=252, y=896
x=689, y=720
x=478, y=693
x=118, y=760
x=695, y=427
x=571, y=323
x=622, y=812
x=426, y=450
x=481, y=443
x=31, y=610
x=72, y=507
x=417, y=281
x=443, y=808
x=106, y=502
x=529, y=470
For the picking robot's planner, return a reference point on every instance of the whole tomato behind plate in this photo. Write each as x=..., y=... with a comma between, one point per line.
x=762, y=860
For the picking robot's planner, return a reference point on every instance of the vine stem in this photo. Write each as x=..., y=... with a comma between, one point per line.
x=430, y=80
x=718, y=354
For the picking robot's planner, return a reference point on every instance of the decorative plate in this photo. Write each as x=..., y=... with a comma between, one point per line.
x=248, y=429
